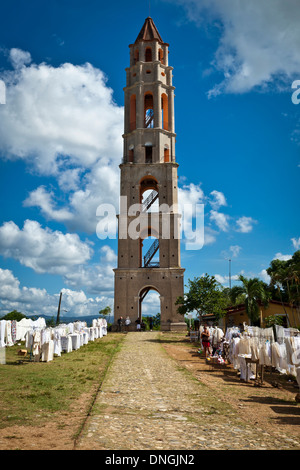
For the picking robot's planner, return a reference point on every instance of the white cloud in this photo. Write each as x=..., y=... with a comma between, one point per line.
x=19, y=58
x=34, y=301
x=220, y=219
x=296, y=243
x=99, y=186
x=218, y=200
x=265, y=276
x=225, y=279
x=282, y=257
x=235, y=250
x=190, y=195
x=95, y=279
x=210, y=236
x=56, y=117
x=69, y=180
x=41, y=249
x=108, y=255
x=9, y=285
x=245, y=224
x=259, y=43
x=191, y=207
x=27, y=300
x=41, y=198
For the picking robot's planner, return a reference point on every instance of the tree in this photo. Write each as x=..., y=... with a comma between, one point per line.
x=105, y=311
x=285, y=279
x=14, y=315
x=272, y=320
x=51, y=322
x=252, y=292
x=205, y=296
x=156, y=321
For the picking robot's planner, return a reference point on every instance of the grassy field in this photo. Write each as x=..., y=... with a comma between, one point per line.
x=30, y=392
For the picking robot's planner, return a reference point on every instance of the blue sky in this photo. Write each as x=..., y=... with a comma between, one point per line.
x=63, y=63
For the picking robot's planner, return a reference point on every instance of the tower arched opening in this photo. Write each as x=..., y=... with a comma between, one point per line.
x=148, y=182
x=148, y=111
x=148, y=54
x=149, y=247
x=165, y=111
x=132, y=112
x=161, y=56
x=166, y=154
x=136, y=56
x=148, y=186
x=149, y=303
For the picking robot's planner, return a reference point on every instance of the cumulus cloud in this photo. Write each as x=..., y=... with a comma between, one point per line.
x=58, y=117
x=108, y=254
x=220, y=219
x=96, y=279
x=44, y=200
x=245, y=224
x=225, y=279
x=19, y=58
x=282, y=257
x=190, y=194
x=79, y=209
x=296, y=243
x=34, y=301
x=217, y=200
x=191, y=207
x=28, y=300
x=41, y=249
x=265, y=276
x=258, y=45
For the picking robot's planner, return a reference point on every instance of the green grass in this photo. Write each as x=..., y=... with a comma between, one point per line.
x=32, y=391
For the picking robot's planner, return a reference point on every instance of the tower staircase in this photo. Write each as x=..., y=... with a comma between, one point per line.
x=149, y=255
x=149, y=201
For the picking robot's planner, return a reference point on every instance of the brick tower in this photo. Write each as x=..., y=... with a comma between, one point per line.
x=149, y=181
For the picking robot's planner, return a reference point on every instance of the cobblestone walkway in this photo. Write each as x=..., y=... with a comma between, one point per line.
x=147, y=402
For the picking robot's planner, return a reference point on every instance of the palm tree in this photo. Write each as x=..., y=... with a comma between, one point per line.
x=251, y=292
x=285, y=276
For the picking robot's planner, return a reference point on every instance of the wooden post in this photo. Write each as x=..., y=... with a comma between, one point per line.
x=58, y=311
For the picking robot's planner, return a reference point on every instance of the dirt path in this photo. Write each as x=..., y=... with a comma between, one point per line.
x=159, y=394
x=149, y=401
x=266, y=407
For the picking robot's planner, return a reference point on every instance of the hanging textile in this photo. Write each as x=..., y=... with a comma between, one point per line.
x=2, y=333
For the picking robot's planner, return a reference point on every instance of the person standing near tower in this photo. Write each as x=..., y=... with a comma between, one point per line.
x=205, y=340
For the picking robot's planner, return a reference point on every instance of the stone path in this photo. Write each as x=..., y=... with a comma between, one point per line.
x=147, y=402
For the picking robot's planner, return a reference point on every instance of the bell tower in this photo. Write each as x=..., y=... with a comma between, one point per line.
x=149, y=222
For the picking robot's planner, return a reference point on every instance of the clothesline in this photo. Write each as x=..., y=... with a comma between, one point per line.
x=46, y=343
x=281, y=351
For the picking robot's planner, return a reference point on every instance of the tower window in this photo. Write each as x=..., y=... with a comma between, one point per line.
x=130, y=156
x=136, y=56
x=161, y=56
x=148, y=151
x=148, y=54
x=132, y=112
x=165, y=111
x=149, y=113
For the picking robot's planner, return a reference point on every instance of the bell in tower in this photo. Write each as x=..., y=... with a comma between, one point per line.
x=148, y=187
